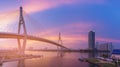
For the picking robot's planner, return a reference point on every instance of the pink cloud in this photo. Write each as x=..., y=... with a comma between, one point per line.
x=76, y=33
x=32, y=6
x=7, y=18
x=108, y=40
x=68, y=33
x=76, y=27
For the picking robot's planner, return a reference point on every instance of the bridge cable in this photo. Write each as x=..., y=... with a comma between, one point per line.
x=34, y=24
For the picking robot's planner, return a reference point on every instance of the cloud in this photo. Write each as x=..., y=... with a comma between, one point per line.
x=7, y=18
x=75, y=27
x=32, y=6
x=108, y=40
x=71, y=34
x=74, y=34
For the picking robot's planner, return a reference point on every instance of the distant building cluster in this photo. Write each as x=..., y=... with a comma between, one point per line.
x=105, y=46
x=102, y=47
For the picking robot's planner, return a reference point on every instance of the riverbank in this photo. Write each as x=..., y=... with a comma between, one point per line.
x=53, y=50
x=98, y=62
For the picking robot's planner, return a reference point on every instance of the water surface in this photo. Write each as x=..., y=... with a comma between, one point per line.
x=51, y=59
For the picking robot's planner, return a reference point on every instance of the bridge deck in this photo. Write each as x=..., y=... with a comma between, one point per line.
x=29, y=37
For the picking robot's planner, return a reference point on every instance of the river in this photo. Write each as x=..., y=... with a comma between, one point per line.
x=50, y=59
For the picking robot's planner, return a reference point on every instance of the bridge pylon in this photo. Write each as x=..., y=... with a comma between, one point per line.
x=21, y=25
x=60, y=49
x=59, y=40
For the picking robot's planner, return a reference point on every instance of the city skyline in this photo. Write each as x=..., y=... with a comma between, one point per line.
x=73, y=18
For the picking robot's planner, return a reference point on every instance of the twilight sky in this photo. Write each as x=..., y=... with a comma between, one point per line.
x=73, y=18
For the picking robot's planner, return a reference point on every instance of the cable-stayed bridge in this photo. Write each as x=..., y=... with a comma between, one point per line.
x=25, y=36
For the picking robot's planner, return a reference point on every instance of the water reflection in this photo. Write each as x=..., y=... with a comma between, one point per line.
x=21, y=63
x=10, y=64
x=61, y=54
x=52, y=59
x=91, y=55
x=96, y=54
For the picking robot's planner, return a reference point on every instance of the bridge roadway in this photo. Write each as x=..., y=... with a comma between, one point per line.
x=29, y=37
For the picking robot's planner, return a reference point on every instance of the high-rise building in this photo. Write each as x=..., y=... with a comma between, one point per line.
x=91, y=40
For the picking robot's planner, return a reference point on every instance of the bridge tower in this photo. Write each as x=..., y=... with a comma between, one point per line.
x=60, y=49
x=59, y=39
x=21, y=25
